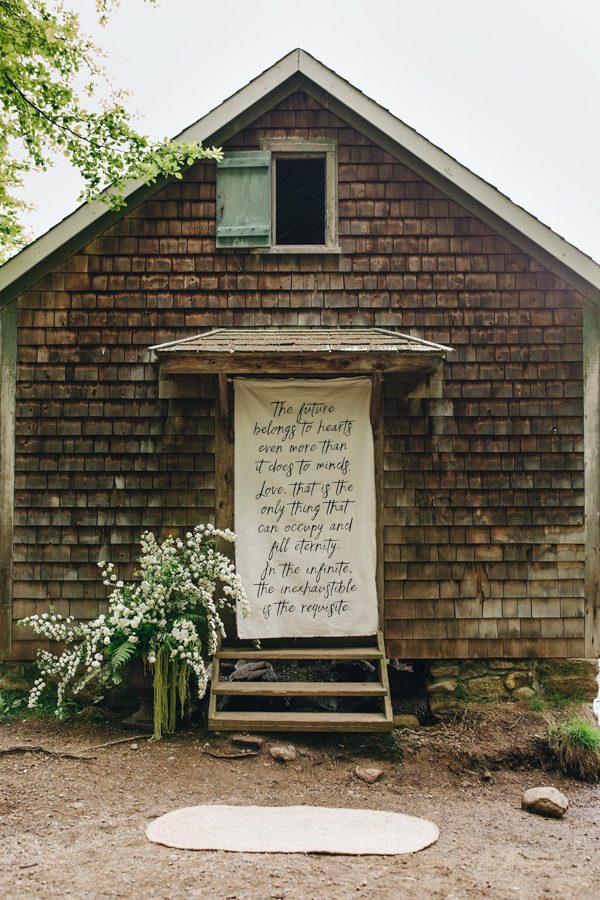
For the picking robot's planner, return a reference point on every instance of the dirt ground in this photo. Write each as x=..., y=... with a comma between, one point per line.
x=71, y=828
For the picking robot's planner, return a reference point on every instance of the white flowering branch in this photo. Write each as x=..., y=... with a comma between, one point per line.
x=173, y=608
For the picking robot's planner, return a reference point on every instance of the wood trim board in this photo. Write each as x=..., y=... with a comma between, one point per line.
x=8, y=383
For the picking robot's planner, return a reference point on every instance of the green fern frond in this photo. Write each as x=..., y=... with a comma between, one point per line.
x=123, y=654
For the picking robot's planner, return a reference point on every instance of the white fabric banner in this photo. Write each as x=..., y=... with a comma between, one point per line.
x=305, y=507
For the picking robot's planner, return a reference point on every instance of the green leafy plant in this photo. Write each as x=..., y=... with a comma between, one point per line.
x=170, y=616
x=552, y=699
x=13, y=705
x=575, y=747
x=55, y=98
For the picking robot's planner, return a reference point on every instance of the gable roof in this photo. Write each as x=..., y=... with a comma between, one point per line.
x=301, y=71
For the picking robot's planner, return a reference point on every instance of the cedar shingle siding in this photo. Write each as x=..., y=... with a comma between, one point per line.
x=483, y=488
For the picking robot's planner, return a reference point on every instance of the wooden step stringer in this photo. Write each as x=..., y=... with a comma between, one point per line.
x=230, y=720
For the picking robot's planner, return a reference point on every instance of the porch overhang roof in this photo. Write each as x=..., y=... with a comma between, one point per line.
x=293, y=350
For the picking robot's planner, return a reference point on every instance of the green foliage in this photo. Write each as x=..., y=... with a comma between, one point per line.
x=536, y=704
x=13, y=705
x=170, y=686
x=170, y=616
x=50, y=101
x=550, y=699
x=575, y=748
x=121, y=655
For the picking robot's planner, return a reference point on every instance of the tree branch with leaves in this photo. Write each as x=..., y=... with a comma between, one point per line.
x=50, y=82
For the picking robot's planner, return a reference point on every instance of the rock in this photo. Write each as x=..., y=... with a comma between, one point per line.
x=443, y=705
x=368, y=774
x=254, y=741
x=326, y=704
x=545, y=801
x=517, y=680
x=524, y=693
x=302, y=750
x=12, y=681
x=444, y=669
x=133, y=746
x=448, y=686
x=283, y=752
x=353, y=670
x=508, y=664
x=253, y=671
x=406, y=721
x=473, y=669
x=576, y=678
x=489, y=687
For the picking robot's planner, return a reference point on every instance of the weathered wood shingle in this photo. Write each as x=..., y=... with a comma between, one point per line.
x=483, y=487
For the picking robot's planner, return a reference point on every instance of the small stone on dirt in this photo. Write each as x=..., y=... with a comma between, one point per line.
x=545, y=801
x=406, y=721
x=133, y=746
x=368, y=774
x=283, y=752
x=254, y=741
x=302, y=750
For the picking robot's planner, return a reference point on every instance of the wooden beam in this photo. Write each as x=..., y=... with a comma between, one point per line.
x=300, y=688
x=375, y=411
x=224, y=480
x=318, y=653
x=205, y=362
x=223, y=461
x=591, y=414
x=378, y=441
x=299, y=721
x=8, y=382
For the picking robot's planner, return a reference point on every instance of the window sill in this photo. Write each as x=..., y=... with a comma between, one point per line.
x=294, y=249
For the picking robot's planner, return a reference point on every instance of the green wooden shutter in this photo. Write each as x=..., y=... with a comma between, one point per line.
x=244, y=199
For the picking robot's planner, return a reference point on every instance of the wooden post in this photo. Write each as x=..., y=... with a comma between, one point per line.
x=377, y=425
x=224, y=476
x=591, y=443
x=8, y=382
x=223, y=457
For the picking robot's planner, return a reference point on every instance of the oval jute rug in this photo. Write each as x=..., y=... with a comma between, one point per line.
x=292, y=829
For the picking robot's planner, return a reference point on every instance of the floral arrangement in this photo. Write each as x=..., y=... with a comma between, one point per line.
x=170, y=616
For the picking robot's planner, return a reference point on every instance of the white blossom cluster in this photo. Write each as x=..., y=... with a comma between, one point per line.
x=181, y=588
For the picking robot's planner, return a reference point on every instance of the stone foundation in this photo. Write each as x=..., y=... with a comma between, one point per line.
x=453, y=683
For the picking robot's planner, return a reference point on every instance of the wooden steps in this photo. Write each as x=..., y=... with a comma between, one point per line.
x=314, y=653
x=299, y=721
x=301, y=688
x=294, y=719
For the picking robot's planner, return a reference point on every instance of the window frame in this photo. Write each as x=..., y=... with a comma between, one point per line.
x=293, y=148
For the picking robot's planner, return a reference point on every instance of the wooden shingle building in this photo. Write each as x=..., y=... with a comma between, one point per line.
x=331, y=242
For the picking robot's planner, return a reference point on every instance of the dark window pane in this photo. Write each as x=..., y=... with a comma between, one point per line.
x=300, y=201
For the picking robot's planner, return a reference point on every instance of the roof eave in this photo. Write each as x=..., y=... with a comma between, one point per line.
x=299, y=69
x=336, y=362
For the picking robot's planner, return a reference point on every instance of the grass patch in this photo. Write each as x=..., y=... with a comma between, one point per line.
x=13, y=705
x=546, y=699
x=537, y=704
x=575, y=747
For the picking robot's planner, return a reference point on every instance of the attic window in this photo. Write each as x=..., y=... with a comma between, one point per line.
x=279, y=199
x=300, y=211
